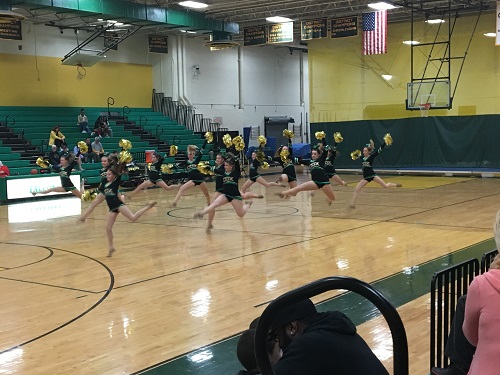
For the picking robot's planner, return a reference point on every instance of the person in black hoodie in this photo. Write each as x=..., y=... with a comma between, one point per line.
x=321, y=343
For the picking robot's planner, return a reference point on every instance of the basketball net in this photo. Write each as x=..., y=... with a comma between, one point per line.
x=424, y=109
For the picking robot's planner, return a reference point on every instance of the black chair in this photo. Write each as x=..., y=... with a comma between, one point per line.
x=400, y=343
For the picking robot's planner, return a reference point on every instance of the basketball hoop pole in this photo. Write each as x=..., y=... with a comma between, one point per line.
x=424, y=109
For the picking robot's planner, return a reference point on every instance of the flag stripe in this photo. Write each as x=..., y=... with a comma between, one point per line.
x=375, y=32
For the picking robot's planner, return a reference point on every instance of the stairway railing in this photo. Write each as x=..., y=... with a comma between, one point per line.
x=111, y=101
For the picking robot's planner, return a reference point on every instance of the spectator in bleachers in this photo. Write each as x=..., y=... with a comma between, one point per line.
x=4, y=170
x=55, y=158
x=83, y=122
x=97, y=148
x=56, y=137
x=321, y=343
x=482, y=320
x=90, y=156
x=245, y=351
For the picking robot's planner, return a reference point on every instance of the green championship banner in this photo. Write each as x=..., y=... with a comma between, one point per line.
x=344, y=27
x=11, y=30
x=314, y=29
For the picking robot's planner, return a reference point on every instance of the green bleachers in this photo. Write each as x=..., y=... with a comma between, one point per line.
x=37, y=122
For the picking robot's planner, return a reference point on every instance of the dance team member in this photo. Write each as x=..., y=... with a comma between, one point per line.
x=68, y=163
x=254, y=177
x=330, y=162
x=284, y=155
x=154, y=176
x=106, y=162
x=231, y=193
x=319, y=179
x=195, y=177
x=369, y=175
x=116, y=206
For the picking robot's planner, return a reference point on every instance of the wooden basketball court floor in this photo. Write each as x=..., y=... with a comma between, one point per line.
x=171, y=290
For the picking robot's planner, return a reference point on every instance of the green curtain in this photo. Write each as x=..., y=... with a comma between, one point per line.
x=427, y=142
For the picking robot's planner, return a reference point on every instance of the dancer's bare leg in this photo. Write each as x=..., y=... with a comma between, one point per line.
x=99, y=199
x=306, y=186
x=211, y=214
x=109, y=231
x=338, y=180
x=361, y=184
x=166, y=187
x=204, y=189
x=134, y=217
x=182, y=189
x=246, y=185
x=385, y=185
x=328, y=191
x=261, y=180
x=240, y=208
x=142, y=186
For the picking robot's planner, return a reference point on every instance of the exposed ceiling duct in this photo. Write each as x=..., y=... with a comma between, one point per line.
x=6, y=13
x=219, y=41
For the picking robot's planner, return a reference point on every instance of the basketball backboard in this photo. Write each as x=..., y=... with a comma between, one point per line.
x=437, y=93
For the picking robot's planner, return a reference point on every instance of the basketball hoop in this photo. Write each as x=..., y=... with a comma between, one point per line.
x=424, y=109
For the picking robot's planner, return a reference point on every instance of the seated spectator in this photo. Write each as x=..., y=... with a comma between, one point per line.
x=90, y=156
x=457, y=349
x=245, y=351
x=4, y=170
x=54, y=158
x=56, y=137
x=97, y=148
x=321, y=343
x=83, y=122
x=482, y=320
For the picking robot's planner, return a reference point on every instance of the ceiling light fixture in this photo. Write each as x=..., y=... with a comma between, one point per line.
x=278, y=19
x=411, y=42
x=193, y=4
x=432, y=22
x=491, y=35
x=381, y=6
x=387, y=77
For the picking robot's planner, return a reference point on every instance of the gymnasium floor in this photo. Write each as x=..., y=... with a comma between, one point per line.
x=171, y=291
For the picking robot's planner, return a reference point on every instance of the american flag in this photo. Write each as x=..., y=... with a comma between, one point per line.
x=375, y=32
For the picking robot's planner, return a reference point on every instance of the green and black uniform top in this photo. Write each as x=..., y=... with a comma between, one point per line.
x=64, y=174
x=192, y=167
x=316, y=167
x=230, y=182
x=330, y=160
x=288, y=167
x=111, y=194
x=368, y=172
x=154, y=171
x=102, y=174
x=254, y=166
x=219, y=177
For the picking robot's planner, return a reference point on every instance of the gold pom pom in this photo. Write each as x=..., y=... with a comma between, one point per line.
x=238, y=143
x=42, y=163
x=284, y=155
x=388, y=139
x=89, y=195
x=125, y=157
x=227, y=140
x=338, y=137
x=288, y=134
x=125, y=144
x=205, y=168
x=173, y=150
x=355, y=154
x=265, y=165
x=209, y=136
x=82, y=146
x=167, y=168
x=260, y=156
x=262, y=140
x=320, y=135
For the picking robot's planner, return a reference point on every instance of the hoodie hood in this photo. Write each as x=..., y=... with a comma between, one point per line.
x=332, y=321
x=492, y=277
